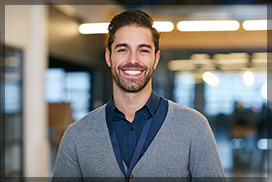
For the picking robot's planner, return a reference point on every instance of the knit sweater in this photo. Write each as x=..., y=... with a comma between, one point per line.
x=183, y=147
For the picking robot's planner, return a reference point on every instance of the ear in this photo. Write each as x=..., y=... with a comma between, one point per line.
x=107, y=57
x=157, y=58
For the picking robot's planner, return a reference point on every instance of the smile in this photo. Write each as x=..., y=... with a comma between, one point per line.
x=133, y=72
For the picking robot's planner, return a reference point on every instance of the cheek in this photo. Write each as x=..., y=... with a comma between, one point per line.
x=113, y=61
x=152, y=62
x=114, y=66
x=116, y=60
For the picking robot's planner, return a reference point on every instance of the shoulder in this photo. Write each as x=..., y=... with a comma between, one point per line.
x=192, y=122
x=186, y=115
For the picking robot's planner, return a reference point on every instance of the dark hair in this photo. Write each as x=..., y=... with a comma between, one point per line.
x=132, y=17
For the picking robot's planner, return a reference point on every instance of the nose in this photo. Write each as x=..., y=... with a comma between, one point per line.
x=133, y=58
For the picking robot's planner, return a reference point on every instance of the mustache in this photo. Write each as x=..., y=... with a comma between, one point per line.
x=133, y=66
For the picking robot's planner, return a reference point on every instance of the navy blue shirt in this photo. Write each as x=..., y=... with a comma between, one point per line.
x=128, y=133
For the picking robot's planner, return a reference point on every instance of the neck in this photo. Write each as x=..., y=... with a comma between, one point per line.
x=130, y=102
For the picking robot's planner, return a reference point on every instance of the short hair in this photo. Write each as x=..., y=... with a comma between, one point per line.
x=133, y=17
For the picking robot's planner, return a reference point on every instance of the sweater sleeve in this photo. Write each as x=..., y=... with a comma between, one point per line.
x=67, y=166
x=204, y=160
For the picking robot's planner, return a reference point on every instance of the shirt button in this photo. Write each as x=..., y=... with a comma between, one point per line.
x=131, y=155
x=131, y=176
x=132, y=128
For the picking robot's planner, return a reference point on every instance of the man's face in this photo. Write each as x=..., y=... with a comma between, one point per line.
x=133, y=58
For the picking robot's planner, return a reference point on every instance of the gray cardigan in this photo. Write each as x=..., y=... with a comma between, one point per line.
x=183, y=147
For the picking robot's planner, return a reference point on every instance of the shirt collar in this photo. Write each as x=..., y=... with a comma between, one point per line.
x=110, y=106
x=152, y=105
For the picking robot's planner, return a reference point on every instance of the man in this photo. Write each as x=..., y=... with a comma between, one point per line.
x=137, y=133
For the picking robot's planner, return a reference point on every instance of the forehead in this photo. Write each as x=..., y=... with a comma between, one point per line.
x=133, y=35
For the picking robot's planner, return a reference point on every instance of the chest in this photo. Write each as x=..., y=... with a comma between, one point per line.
x=167, y=155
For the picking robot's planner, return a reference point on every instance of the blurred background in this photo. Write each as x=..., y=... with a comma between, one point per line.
x=55, y=73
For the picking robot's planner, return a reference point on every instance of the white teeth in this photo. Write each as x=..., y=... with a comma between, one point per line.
x=132, y=72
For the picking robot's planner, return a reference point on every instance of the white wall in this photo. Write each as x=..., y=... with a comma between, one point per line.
x=26, y=28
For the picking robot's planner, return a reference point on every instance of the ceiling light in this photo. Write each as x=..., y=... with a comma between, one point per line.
x=213, y=25
x=231, y=59
x=248, y=78
x=181, y=65
x=93, y=28
x=210, y=78
x=262, y=143
x=254, y=25
x=163, y=26
x=202, y=61
x=200, y=56
x=102, y=28
x=260, y=57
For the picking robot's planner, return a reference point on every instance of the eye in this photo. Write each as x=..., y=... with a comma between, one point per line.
x=145, y=51
x=121, y=50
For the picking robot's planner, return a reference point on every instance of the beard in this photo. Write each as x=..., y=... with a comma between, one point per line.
x=132, y=84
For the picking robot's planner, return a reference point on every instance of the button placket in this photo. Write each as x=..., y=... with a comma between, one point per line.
x=132, y=141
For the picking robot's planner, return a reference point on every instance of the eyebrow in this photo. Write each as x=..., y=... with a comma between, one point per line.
x=121, y=45
x=126, y=45
x=145, y=45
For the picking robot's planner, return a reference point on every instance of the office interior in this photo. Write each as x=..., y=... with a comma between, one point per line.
x=54, y=75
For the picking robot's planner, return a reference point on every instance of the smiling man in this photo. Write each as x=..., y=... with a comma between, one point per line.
x=137, y=133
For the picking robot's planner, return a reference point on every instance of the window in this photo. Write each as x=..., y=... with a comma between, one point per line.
x=184, y=89
x=72, y=87
x=13, y=112
x=231, y=89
